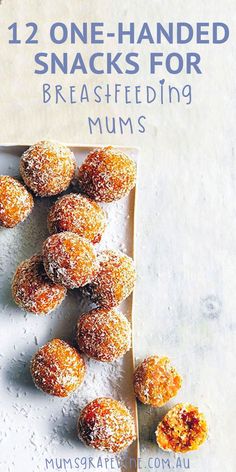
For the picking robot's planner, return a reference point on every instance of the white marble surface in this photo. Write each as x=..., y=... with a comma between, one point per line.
x=184, y=308
x=186, y=291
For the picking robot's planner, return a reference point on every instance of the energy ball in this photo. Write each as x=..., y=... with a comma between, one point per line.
x=33, y=291
x=16, y=202
x=104, y=335
x=115, y=279
x=47, y=168
x=107, y=425
x=78, y=214
x=57, y=368
x=156, y=381
x=107, y=175
x=183, y=429
x=69, y=259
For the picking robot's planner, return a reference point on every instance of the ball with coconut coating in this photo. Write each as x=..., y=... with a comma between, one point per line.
x=115, y=279
x=69, y=259
x=16, y=202
x=103, y=334
x=156, y=381
x=107, y=174
x=57, y=368
x=182, y=429
x=33, y=291
x=78, y=214
x=47, y=168
x=107, y=425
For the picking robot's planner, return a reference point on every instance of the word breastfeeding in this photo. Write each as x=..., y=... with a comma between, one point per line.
x=160, y=93
x=119, y=62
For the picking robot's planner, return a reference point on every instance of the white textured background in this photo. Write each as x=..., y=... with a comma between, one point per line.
x=186, y=230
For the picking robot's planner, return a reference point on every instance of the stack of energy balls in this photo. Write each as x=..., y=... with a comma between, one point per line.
x=76, y=222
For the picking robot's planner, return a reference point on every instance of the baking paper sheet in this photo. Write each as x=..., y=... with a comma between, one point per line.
x=34, y=427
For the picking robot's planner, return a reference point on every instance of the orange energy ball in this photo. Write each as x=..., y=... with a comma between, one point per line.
x=47, y=168
x=104, y=335
x=115, y=279
x=183, y=429
x=78, y=214
x=16, y=202
x=57, y=368
x=33, y=291
x=156, y=381
x=106, y=424
x=69, y=259
x=107, y=175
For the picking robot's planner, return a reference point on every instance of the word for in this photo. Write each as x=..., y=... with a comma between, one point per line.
x=119, y=63
x=161, y=93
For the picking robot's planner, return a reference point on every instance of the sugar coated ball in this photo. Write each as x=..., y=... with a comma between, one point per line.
x=106, y=424
x=107, y=174
x=16, y=202
x=33, y=291
x=47, y=168
x=183, y=429
x=69, y=259
x=78, y=214
x=115, y=279
x=57, y=368
x=104, y=335
x=156, y=381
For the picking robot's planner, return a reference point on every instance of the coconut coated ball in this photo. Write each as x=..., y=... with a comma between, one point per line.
x=106, y=424
x=107, y=175
x=156, y=381
x=115, y=279
x=33, y=291
x=183, y=429
x=47, y=168
x=57, y=368
x=69, y=259
x=104, y=335
x=78, y=214
x=16, y=202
